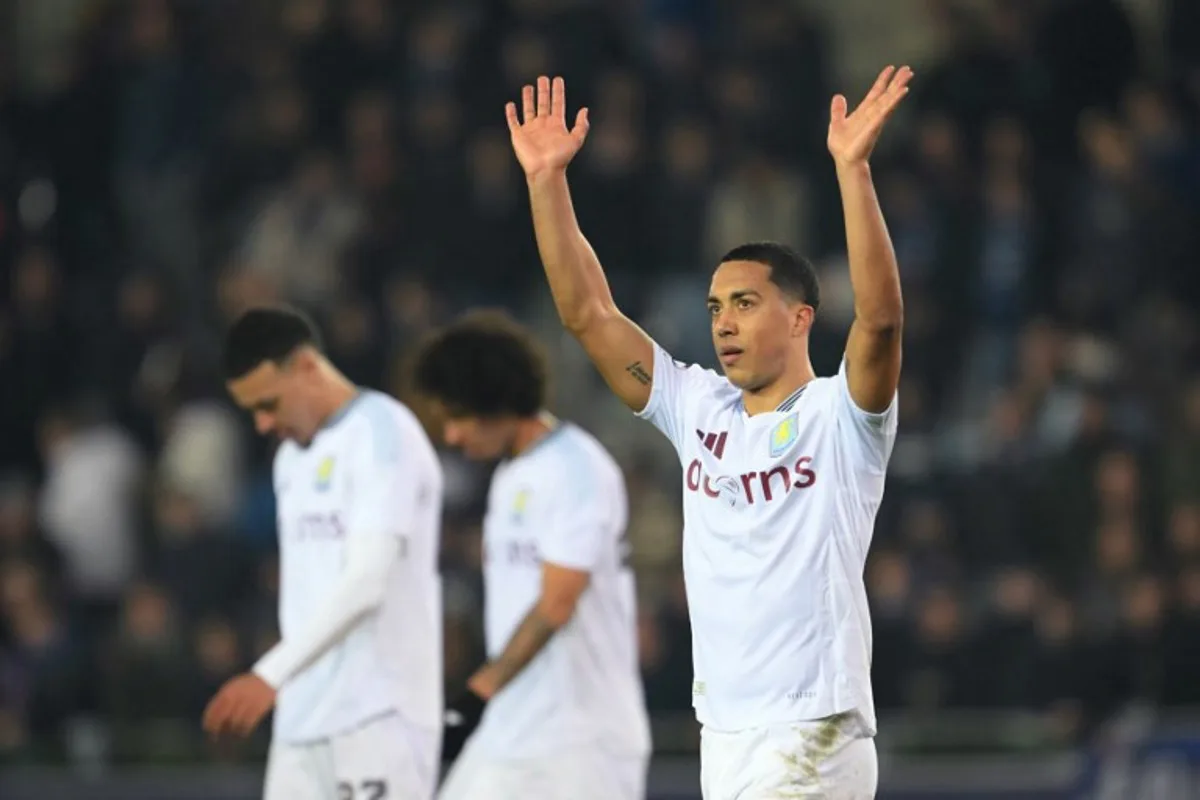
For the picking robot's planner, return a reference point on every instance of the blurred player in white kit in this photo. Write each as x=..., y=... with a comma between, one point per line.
x=783, y=471
x=559, y=704
x=356, y=681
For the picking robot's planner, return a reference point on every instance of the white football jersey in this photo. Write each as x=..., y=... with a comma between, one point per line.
x=371, y=471
x=563, y=502
x=779, y=509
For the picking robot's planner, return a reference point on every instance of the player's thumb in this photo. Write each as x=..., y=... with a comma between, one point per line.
x=837, y=108
x=581, y=127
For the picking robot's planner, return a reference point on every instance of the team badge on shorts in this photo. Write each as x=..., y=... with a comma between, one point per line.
x=324, y=473
x=784, y=435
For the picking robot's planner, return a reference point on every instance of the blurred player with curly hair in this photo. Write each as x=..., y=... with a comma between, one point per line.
x=559, y=704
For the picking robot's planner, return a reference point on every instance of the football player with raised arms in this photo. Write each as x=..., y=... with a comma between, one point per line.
x=356, y=680
x=783, y=470
x=558, y=705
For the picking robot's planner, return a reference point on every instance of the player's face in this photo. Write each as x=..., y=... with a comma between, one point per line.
x=479, y=439
x=279, y=398
x=755, y=327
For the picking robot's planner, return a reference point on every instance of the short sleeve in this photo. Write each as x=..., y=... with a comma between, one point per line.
x=868, y=436
x=390, y=488
x=674, y=383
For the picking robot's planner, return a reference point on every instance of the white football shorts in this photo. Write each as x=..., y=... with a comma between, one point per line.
x=832, y=759
x=576, y=774
x=384, y=759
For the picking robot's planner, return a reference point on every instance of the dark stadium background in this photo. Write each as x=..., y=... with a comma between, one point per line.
x=1036, y=568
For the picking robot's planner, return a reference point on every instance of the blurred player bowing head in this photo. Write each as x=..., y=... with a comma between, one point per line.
x=356, y=680
x=783, y=471
x=557, y=711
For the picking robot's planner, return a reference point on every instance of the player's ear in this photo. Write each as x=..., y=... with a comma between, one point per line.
x=305, y=361
x=802, y=319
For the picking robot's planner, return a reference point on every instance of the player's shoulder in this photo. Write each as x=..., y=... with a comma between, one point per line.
x=818, y=392
x=815, y=403
x=698, y=376
x=824, y=386
x=703, y=386
x=836, y=388
x=570, y=454
x=384, y=425
x=380, y=413
x=832, y=400
x=284, y=458
x=569, y=442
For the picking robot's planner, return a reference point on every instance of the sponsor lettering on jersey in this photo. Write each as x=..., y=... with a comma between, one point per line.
x=320, y=526
x=514, y=552
x=753, y=486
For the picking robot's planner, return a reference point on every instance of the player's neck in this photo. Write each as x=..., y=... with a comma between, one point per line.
x=769, y=398
x=532, y=430
x=339, y=393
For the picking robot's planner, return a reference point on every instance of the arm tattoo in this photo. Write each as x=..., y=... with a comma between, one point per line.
x=526, y=642
x=639, y=373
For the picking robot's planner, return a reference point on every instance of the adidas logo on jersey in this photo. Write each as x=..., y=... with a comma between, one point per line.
x=713, y=442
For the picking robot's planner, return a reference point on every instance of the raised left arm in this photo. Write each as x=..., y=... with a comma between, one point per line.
x=873, y=350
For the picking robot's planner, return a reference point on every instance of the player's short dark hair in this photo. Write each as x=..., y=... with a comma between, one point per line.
x=485, y=364
x=268, y=334
x=791, y=272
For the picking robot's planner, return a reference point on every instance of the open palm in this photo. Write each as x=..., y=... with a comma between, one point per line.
x=542, y=141
x=852, y=136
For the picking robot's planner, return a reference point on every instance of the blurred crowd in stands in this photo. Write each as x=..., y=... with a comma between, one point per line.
x=163, y=165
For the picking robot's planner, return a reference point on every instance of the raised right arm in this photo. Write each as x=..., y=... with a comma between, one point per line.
x=621, y=350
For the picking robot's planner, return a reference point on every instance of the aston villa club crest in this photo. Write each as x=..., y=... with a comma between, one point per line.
x=784, y=435
x=325, y=474
x=520, y=502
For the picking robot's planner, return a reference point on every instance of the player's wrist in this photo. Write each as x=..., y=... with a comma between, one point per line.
x=541, y=176
x=270, y=668
x=852, y=168
x=266, y=676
